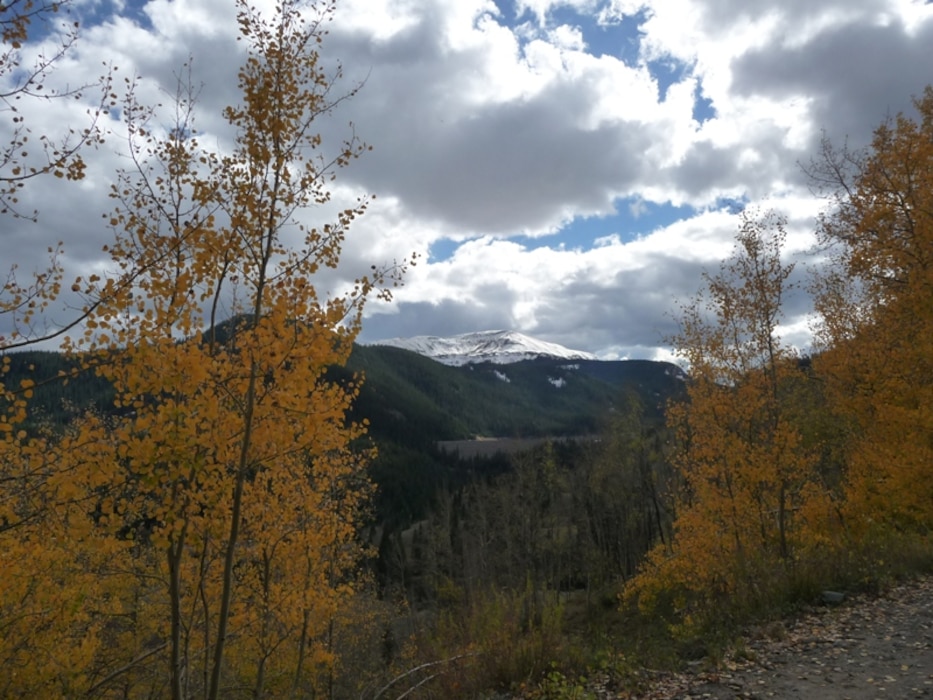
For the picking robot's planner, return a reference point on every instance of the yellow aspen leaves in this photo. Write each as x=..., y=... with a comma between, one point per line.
x=745, y=472
x=783, y=465
x=205, y=535
x=876, y=308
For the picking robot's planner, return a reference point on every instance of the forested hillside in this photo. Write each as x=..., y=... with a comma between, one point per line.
x=411, y=403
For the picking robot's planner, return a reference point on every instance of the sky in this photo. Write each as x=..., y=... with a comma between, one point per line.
x=563, y=168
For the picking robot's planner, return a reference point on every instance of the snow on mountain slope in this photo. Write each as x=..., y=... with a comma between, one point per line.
x=501, y=347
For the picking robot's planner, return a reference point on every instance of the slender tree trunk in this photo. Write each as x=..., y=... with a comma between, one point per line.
x=782, y=519
x=174, y=591
x=245, y=445
x=302, y=643
x=206, y=626
x=229, y=560
x=266, y=580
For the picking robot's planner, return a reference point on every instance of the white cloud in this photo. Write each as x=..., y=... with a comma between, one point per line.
x=542, y=8
x=489, y=124
x=567, y=37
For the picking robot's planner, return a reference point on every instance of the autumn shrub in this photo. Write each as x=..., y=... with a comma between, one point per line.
x=876, y=321
x=498, y=640
x=877, y=559
x=750, y=493
x=557, y=686
x=801, y=475
x=676, y=621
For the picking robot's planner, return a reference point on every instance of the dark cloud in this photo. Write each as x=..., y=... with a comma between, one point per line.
x=501, y=167
x=854, y=74
x=721, y=13
x=636, y=308
x=518, y=166
x=710, y=172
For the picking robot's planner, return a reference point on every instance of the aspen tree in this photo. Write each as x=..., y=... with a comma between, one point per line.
x=746, y=474
x=876, y=304
x=233, y=470
x=47, y=641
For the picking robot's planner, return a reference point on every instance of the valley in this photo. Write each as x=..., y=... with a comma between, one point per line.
x=424, y=415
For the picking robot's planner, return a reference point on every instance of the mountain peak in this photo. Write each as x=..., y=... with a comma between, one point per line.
x=498, y=346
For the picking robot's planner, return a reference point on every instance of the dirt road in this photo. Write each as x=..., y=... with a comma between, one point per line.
x=866, y=648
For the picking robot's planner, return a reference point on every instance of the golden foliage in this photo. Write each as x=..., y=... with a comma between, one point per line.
x=750, y=492
x=203, y=539
x=781, y=464
x=877, y=311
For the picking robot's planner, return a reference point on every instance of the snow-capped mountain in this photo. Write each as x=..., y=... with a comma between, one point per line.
x=501, y=347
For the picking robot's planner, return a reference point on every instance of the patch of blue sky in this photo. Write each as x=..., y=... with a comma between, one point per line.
x=669, y=71
x=666, y=72
x=734, y=205
x=703, y=109
x=507, y=11
x=442, y=249
x=621, y=39
x=100, y=11
x=634, y=218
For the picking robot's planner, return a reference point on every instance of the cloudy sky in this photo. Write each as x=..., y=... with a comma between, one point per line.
x=564, y=168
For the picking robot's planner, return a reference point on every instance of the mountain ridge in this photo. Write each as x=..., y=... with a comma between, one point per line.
x=411, y=403
x=494, y=346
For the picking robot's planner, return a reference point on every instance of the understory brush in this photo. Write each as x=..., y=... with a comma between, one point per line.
x=681, y=625
x=545, y=645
